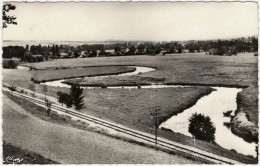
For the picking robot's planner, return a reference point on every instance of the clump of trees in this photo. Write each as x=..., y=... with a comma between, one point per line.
x=202, y=128
x=12, y=88
x=65, y=98
x=28, y=57
x=10, y=63
x=74, y=97
x=13, y=51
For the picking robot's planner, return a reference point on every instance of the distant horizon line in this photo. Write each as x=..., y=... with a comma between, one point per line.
x=125, y=40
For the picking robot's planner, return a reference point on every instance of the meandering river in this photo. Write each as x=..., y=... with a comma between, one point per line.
x=212, y=105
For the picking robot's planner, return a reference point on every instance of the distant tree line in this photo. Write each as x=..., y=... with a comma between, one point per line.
x=224, y=47
x=38, y=53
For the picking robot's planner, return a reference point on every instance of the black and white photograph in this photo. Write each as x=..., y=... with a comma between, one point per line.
x=149, y=82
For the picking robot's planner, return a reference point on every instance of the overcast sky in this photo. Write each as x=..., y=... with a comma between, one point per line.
x=132, y=21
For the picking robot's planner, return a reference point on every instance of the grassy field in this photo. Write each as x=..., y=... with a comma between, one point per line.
x=131, y=107
x=183, y=68
x=56, y=74
x=178, y=69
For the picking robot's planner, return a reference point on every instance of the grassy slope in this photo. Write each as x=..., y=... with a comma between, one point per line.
x=82, y=146
x=27, y=156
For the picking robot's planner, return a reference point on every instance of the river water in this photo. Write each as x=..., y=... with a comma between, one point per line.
x=212, y=105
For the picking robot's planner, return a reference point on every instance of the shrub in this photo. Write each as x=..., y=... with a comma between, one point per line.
x=10, y=63
x=12, y=88
x=65, y=98
x=202, y=128
x=103, y=86
x=28, y=57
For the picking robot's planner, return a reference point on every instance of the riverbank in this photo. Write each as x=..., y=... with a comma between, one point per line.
x=53, y=75
x=245, y=121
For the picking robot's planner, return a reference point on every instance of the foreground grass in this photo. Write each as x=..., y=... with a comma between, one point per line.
x=27, y=157
x=40, y=112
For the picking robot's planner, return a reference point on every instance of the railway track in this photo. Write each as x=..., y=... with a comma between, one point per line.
x=136, y=134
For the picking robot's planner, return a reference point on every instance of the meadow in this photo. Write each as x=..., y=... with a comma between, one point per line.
x=194, y=69
x=133, y=107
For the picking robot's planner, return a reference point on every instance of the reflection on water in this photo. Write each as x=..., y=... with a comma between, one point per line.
x=23, y=68
x=214, y=105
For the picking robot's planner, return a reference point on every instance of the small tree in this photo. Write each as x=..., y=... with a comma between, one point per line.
x=65, y=98
x=61, y=98
x=202, y=128
x=76, y=94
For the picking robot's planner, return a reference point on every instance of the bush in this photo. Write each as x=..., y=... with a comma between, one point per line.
x=202, y=128
x=65, y=98
x=103, y=86
x=28, y=57
x=10, y=63
x=12, y=88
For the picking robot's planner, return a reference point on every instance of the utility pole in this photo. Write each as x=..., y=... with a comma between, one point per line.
x=48, y=104
x=155, y=115
x=194, y=138
x=45, y=90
